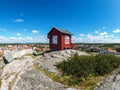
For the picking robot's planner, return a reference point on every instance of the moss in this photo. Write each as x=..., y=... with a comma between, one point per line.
x=49, y=74
x=22, y=57
x=31, y=55
x=1, y=68
x=11, y=84
x=13, y=81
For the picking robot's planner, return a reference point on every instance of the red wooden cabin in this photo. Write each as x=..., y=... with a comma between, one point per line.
x=60, y=39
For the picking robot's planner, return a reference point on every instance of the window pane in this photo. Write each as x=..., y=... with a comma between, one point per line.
x=66, y=39
x=54, y=39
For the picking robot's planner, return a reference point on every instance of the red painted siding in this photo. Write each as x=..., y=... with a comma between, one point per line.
x=65, y=46
x=61, y=40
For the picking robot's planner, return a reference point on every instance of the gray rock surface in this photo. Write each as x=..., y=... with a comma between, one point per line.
x=22, y=74
x=34, y=80
x=11, y=55
x=1, y=63
x=110, y=83
x=52, y=58
x=1, y=66
x=13, y=70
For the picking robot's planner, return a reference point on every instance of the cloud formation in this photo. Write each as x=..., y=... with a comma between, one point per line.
x=35, y=31
x=28, y=39
x=18, y=20
x=96, y=32
x=103, y=33
x=81, y=35
x=18, y=34
x=98, y=37
x=116, y=31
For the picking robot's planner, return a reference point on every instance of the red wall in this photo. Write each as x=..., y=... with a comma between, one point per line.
x=58, y=45
x=61, y=40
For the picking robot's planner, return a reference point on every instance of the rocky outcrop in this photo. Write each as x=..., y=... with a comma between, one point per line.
x=50, y=59
x=22, y=74
x=110, y=83
x=11, y=55
x=1, y=66
x=13, y=71
x=1, y=63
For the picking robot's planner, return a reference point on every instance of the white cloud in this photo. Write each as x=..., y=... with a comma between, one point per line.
x=116, y=31
x=43, y=39
x=13, y=38
x=100, y=38
x=18, y=34
x=77, y=39
x=88, y=35
x=2, y=38
x=35, y=31
x=81, y=35
x=39, y=39
x=103, y=33
x=18, y=20
x=30, y=39
x=96, y=32
x=104, y=37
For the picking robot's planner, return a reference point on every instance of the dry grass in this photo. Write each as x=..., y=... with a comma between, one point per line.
x=1, y=68
x=13, y=81
x=1, y=54
x=49, y=74
x=22, y=57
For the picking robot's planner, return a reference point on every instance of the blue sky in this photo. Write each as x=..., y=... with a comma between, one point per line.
x=88, y=20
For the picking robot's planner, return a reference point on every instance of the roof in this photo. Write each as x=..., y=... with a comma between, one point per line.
x=110, y=50
x=63, y=31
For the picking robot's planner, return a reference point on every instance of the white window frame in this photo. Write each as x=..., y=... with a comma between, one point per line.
x=55, y=39
x=67, y=38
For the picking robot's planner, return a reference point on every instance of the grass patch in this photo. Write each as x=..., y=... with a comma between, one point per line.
x=49, y=74
x=67, y=80
x=1, y=68
x=13, y=81
x=22, y=57
x=31, y=55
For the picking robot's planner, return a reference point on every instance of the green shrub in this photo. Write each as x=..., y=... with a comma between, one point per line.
x=85, y=66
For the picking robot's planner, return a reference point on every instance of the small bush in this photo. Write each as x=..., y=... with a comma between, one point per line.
x=85, y=66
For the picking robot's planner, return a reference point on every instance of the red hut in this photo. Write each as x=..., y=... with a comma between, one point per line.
x=60, y=39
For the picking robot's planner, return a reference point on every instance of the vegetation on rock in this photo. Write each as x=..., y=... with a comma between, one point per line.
x=82, y=68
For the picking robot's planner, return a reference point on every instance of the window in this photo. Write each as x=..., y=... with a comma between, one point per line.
x=66, y=39
x=54, y=39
